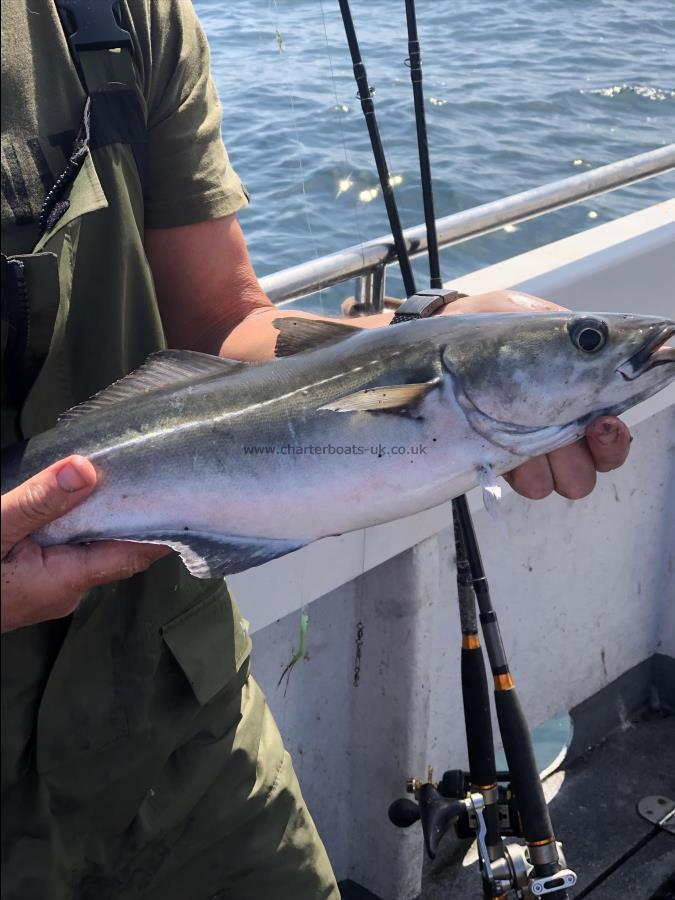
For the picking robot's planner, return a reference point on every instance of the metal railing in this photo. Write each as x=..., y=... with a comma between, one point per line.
x=368, y=261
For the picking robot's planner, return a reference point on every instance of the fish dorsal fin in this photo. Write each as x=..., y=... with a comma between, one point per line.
x=165, y=369
x=297, y=335
x=390, y=398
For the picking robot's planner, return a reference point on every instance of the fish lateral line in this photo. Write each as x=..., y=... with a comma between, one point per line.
x=223, y=417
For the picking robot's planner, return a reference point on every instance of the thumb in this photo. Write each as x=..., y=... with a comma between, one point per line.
x=45, y=497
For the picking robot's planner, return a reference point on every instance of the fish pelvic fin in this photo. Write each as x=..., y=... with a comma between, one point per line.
x=165, y=369
x=389, y=398
x=297, y=335
x=215, y=556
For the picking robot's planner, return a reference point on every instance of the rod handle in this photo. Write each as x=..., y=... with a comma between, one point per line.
x=522, y=765
x=477, y=718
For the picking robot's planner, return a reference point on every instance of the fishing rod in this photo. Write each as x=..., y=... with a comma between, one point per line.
x=365, y=95
x=503, y=868
x=533, y=810
x=476, y=698
x=475, y=695
x=415, y=63
x=549, y=874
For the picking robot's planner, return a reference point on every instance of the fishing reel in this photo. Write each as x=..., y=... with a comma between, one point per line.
x=452, y=804
x=456, y=785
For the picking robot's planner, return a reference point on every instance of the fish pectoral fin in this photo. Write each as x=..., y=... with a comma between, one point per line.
x=297, y=335
x=390, y=398
x=208, y=555
x=164, y=369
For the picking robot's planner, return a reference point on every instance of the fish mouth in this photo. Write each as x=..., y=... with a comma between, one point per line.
x=654, y=353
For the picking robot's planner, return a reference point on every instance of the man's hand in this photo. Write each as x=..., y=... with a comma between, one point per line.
x=48, y=583
x=571, y=471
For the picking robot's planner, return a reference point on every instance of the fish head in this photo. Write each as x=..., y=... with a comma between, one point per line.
x=559, y=370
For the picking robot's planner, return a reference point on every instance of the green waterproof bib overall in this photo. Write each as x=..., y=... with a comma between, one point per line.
x=139, y=759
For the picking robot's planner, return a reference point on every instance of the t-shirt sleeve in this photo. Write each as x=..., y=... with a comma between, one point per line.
x=189, y=176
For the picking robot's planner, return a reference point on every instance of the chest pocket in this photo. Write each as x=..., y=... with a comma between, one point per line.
x=30, y=300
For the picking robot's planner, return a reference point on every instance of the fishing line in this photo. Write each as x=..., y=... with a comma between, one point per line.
x=298, y=143
x=355, y=206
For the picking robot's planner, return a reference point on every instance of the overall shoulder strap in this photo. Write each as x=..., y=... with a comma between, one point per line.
x=91, y=25
x=117, y=108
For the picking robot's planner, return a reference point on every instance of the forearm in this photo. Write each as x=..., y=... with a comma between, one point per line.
x=254, y=338
x=208, y=293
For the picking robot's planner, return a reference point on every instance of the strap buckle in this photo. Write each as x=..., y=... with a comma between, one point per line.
x=92, y=25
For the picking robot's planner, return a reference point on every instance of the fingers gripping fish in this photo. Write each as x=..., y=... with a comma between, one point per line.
x=233, y=464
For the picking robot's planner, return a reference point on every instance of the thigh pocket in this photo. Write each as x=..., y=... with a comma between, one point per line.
x=117, y=698
x=210, y=643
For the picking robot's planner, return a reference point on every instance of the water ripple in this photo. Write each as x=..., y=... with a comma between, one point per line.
x=639, y=90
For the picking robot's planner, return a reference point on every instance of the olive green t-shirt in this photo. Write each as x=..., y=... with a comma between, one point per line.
x=108, y=320
x=188, y=176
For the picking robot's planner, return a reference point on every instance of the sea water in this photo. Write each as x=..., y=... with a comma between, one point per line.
x=518, y=94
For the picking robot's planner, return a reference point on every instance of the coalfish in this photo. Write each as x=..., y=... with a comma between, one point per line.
x=233, y=464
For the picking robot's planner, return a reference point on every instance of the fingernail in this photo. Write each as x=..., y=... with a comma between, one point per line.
x=606, y=433
x=70, y=479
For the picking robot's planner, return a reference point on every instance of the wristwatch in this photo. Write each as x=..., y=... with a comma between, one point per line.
x=424, y=304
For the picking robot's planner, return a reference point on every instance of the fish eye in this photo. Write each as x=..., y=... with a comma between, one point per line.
x=588, y=334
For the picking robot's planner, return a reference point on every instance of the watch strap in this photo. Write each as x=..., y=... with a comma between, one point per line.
x=424, y=304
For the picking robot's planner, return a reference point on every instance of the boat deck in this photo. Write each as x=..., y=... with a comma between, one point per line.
x=594, y=813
